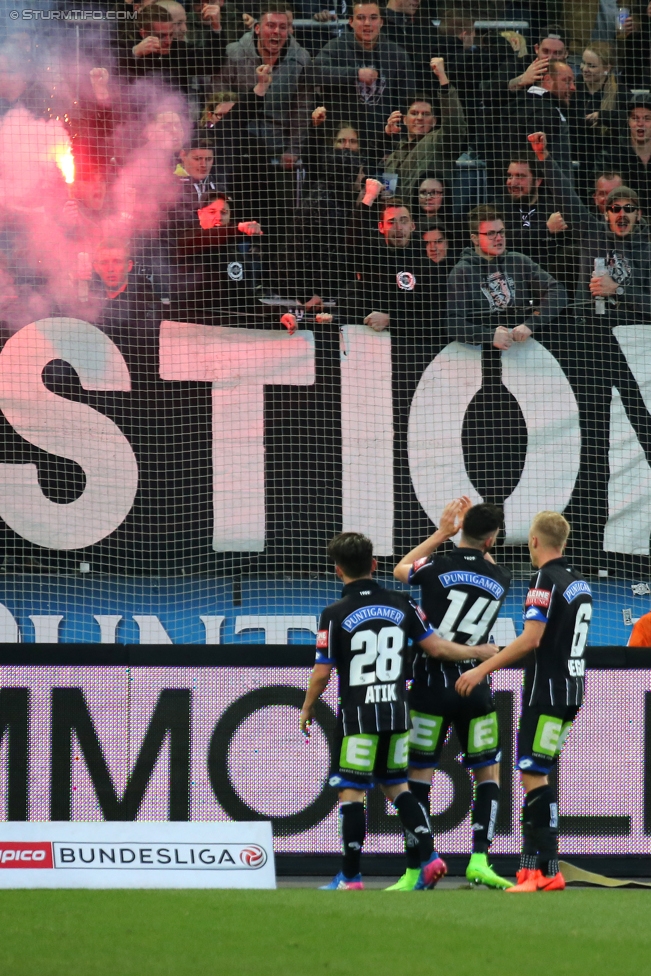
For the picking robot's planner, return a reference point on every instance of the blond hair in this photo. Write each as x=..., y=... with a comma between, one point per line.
x=213, y=101
x=604, y=52
x=517, y=42
x=552, y=528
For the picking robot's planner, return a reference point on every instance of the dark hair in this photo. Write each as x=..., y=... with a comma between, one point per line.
x=478, y=215
x=415, y=196
x=422, y=97
x=364, y=3
x=607, y=175
x=639, y=101
x=533, y=164
x=212, y=197
x=393, y=203
x=153, y=14
x=482, y=520
x=430, y=176
x=197, y=142
x=340, y=127
x=555, y=32
x=436, y=226
x=353, y=553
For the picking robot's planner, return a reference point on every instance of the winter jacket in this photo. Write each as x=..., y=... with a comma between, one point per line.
x=284, y=118
x=537, y=110
x=335, y=72
x=628, y=259
x=418, y=38
x=526, y=227
x=508, y=291
x=397, y=281
x=622, y=158
x=435, y=154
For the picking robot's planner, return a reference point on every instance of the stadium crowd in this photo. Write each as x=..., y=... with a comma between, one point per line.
x=337, y=179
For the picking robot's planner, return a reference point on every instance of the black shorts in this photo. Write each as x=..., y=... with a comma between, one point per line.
x=367, y=758
x=434, y=710
x=542, y=732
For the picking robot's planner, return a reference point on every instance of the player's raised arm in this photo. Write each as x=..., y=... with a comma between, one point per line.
x=528, y=641
x=319, y=679
x=451, y=522
x=447, y=650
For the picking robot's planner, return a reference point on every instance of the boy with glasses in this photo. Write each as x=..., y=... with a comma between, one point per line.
x=496, y=296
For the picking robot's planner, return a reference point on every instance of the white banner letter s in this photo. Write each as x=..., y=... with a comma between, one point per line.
x=66, y=429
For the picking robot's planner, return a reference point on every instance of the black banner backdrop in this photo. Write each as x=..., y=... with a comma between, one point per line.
x=185, y=448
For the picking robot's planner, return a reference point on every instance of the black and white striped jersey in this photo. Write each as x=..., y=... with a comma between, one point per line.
x=560, y=599
x=365, y=636
x=461, y=594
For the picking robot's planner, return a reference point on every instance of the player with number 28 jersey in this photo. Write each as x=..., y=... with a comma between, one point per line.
x=365, y=636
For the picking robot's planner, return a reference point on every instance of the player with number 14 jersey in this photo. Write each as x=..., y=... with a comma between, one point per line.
x=462, y=592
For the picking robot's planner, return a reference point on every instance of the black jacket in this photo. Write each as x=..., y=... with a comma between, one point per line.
x=397, y=281
x=418, y=38
x=622, y=159
x=334, y=72
x=239, y=156
x=177, y=68
x=134, y=310
x=537, y=110
x=628, y=259
x=526, y=228
x=215, y=279
x=588, y=140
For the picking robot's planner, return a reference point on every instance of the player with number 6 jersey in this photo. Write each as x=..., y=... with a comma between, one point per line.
x=461, y=592
x=365, y=636
x=557, y=613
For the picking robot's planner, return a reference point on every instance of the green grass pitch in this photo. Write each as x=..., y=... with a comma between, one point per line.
x=302, y=932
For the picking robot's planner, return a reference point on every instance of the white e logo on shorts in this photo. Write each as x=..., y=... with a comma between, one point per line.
x=549, y=736
x=360, y=752
x=400, y=751
x=424, y=731
x=483, y=733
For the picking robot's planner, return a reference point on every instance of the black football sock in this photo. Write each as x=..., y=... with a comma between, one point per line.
x=353, y=831
x=421, y=791
x=529, y=856
x=414, y=822
x=484, y=815
x=550, y=868
x=543, y=816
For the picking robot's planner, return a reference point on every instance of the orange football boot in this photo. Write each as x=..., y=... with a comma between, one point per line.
x=527, y=880
x=556, y=883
